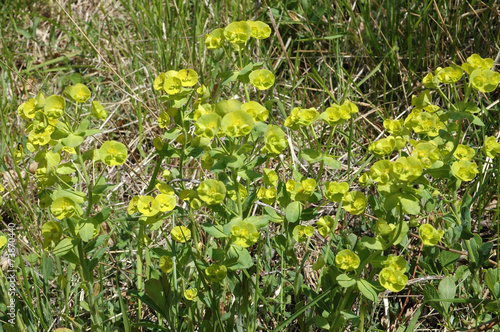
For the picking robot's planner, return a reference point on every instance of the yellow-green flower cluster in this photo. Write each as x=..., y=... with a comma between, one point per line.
x=325, y=225
x=338, y=114
x=173, y=82
x=301, y=233
x=274, y=140
x=211, y=191
x=180, y=234
x=429, y=235
x=244, y=234
x=335, y=191
x=216, y=272
x=491, y=147
x=301, y=117
x=354, y=202
x=238, y=34
x=347, y=260
x=301, y=191
x=392, y=276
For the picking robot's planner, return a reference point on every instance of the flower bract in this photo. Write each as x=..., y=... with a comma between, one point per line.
x=181, y=234
x=347, y=260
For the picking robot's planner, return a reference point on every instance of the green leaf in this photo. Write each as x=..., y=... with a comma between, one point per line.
x=367, y=290
x=372, y=243
x=72, y=140
x=311, y=156
x=293, y=211
x=84, y=124
x=484, y=252
x=273, y=215
x=215, y=231
x=86, y=231
x=331, y=162
x=91, y=132
x=409, y=203
x=493, y=306
x=345, y=281
x=64, y=246
x=321, y=322
x=447, y=291
x=99, y=189
x=448, y=258
x=76, y=196
x=258, y=221
x=446, y=135
x=65, y=169
x=239, y=258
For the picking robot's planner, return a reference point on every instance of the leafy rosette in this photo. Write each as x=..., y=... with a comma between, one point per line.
x=429, y=235
x=216, y=272
x=484, y=80
x=238, y=33
x=63, y=207
x=475, y=61
x=347, y=260
x=261, y=79
x=237, y=124
x=212, y=191
x=354, y=202
x=214, y=39
x=180, y=234
x=325, y=225
x=244, y=234
x=491, y=147
x=256, y=110
x=207, y=125
x=79, y=92
x=449, y=75
x=113, y=153
x=464, y=170
x=260, y=30
x=274, y=139
x=302, y=232
x=98, y=111
x=54, y=107
x=335, y=191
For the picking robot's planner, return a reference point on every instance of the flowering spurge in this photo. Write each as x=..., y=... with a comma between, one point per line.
x=338, y=114
x=392, y=276
x=244, y=234
x=325, y=225
x=429, y=235
x=347, y=260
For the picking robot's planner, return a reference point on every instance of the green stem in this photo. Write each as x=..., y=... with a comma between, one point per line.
x=139, y=268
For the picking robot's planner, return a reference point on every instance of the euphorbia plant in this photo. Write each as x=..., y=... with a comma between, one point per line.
x=70, y=180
